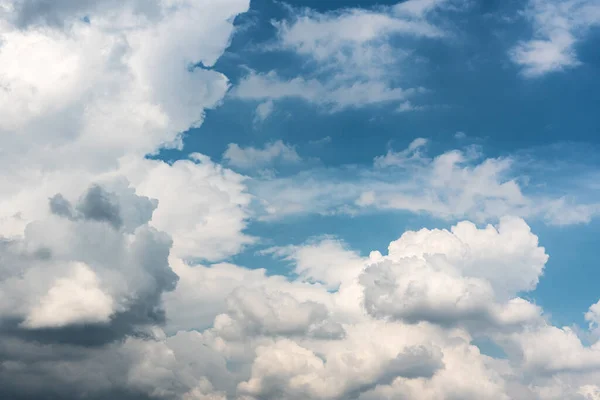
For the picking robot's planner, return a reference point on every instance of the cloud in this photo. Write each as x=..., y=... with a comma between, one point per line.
x=75, y=299
x=328, y=261
x=322, y=141
x=203, y=206
x=408, y=106
x=411, y=154
x=258, y=312
x=346, y=67
x=444, y=277
x=273, y=337
x=87, y=116
x=252, y=157
x=112, y=283
x=87, y=271
x=452, y=185
x=558, y=26
x=271, y=87
x=263, y=111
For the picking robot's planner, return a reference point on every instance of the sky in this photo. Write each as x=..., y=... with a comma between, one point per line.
x=267, y=200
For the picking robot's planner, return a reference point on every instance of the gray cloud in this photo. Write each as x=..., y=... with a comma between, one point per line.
x=98, y=205
x=125, y=270
x=57, y=13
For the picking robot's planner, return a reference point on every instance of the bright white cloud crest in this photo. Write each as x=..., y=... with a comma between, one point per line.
x=112, y=280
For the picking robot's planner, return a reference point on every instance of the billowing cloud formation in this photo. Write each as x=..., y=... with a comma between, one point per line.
x=445, y=277
x=106, y=286
x=202, y=205
x=79, y=112
x=398, y=325
x=86, y=270
x=88, y=89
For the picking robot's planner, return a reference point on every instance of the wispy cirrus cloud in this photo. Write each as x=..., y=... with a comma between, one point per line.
x=349, y=56
x=455, y=184
x=252, y=157
x=558, y=26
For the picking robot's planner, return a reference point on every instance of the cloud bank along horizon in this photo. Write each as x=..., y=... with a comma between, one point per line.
x=120, y=234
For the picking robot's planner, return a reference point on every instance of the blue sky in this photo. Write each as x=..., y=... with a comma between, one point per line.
x=290, y=200
x=476, y=96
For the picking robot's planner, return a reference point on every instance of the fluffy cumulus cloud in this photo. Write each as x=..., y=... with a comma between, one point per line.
x=202, y=205
x=399, y=325
x=558, y=26
x=449, y=276
x=113, y=274
x=93, y=264
x=86, y=115
x=384, y=326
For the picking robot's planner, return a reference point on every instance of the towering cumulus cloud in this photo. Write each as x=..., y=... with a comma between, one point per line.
x=116, y=272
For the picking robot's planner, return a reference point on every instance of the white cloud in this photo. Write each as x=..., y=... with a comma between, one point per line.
x=88, y=265
x=73, y=114
x=452, y=185
x=76, y=299
x=252, y=157
x=558, y=26
x=263, y=111
x=410, y=154
x=592, y=316
x=328, y=261
x=351, y=55
x=443, y=276
x=100, y=293
x=259, y=312
x=282, y=356
x=335, y=96
x=322, y=141
x=266, y=337
x=409, y=106
x=202, y=205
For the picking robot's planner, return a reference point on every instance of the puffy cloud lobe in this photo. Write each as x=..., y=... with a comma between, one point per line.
x=508, y=256
x=213, y=286
x=258, y=312
x=83, y=270
x=202, y=205
x=457, y=276
x=593, y=316
x=75, y=299
x=549, y=349
x=288, y=370
x=327, y=261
